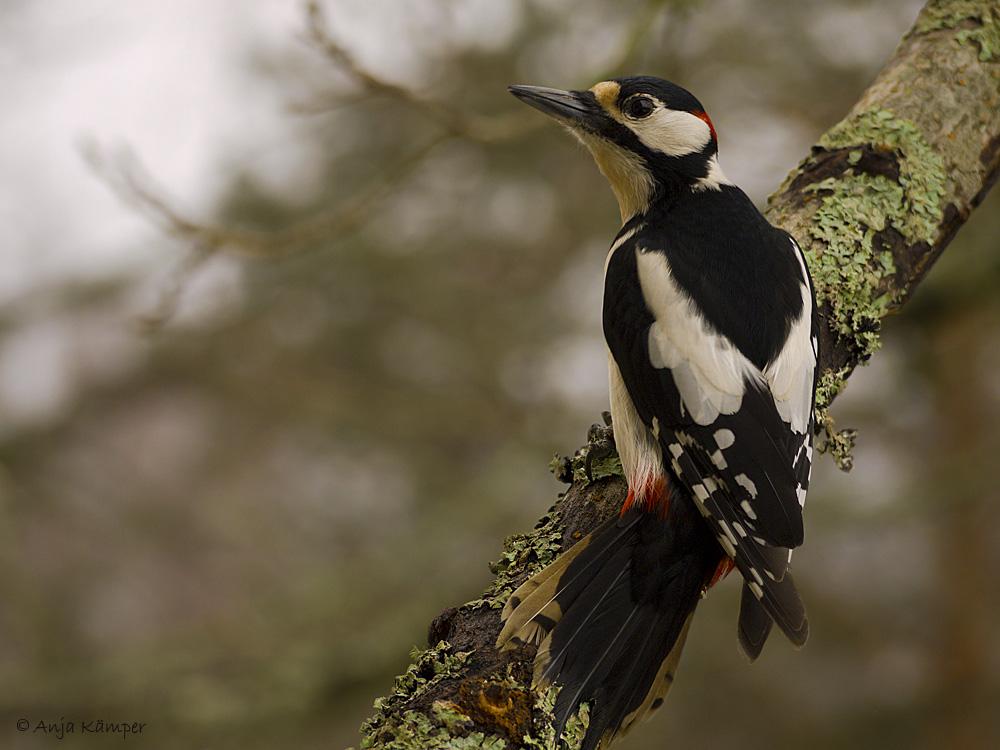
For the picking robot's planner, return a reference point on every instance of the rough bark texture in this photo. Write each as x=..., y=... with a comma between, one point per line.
x=884, y=191
x=873, y=205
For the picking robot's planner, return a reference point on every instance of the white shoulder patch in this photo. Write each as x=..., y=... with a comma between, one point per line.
x=790, y=375
x=707, y=368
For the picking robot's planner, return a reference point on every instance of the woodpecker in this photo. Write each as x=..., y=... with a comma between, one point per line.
x=711, y=330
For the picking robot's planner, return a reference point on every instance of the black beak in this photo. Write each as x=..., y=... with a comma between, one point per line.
x=574, y=108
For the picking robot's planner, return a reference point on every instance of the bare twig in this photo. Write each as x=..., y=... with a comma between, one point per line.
x=126, y=177
x=483, y=129
x=124, y=174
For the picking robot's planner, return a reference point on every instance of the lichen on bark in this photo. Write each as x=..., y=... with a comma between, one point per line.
x=893, y=182
x=873, y=205
x=984, y=20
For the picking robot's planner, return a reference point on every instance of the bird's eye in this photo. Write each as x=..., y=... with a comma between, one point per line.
x=641, y=106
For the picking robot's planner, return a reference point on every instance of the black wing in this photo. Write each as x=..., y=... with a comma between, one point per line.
x=741, y=448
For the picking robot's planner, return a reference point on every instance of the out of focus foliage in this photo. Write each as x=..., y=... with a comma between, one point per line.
x=245, y=517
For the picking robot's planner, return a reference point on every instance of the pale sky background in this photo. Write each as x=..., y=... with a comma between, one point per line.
x=167, y=79
x=178, y=83
x=173, y=81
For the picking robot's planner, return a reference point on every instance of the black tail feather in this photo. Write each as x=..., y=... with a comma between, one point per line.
x=630, y=678
x=532, y=610
x=755, y=623
x=612, y=620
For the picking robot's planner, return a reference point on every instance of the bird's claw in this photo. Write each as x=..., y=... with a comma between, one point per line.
x=600, y=444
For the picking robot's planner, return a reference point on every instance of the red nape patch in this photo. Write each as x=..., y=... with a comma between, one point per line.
x=725, y=566
x=652, y=494
x=704, y=117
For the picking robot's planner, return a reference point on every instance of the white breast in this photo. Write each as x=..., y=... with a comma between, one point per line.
x=638, y=447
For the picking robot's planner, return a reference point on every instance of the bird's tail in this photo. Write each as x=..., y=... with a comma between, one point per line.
x=610, y=615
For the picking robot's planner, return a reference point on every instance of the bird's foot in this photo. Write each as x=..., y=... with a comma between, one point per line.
x=600, y=443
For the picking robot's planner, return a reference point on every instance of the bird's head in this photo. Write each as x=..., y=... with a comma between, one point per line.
x=649, y=137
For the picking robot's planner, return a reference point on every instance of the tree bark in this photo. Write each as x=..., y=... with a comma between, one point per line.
x=873, y=205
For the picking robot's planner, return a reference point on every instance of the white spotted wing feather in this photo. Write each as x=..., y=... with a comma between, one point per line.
x=743, y=445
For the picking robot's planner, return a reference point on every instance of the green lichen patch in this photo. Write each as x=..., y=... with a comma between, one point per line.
x=853, y=210
x=982, y=16
x=576, y=727
x=523, y=553
x=600, y=468
x=838, y=444
x=433, y=733
x=830, y=385
x=858, y=209
x=394, y=728
x=544, y=736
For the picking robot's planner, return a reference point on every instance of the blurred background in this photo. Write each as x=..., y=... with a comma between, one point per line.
x=242, y=469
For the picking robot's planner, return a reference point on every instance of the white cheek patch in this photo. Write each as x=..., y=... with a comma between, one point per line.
x=673, y=132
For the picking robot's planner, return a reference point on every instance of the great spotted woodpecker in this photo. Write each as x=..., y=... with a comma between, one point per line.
x=710, y=324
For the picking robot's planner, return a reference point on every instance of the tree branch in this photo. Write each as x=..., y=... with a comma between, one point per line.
x=873, y=205
x=884, y=191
